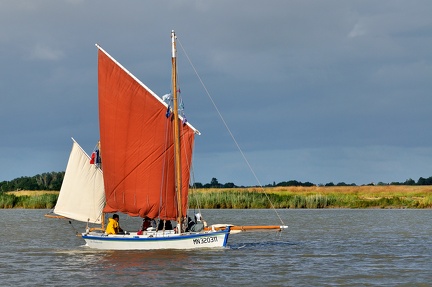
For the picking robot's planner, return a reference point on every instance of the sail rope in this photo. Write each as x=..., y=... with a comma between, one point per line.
x=229, y=131
x=193, y=186
x=198, y=203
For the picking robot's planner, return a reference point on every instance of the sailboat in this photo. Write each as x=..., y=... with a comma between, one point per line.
x=146, y=151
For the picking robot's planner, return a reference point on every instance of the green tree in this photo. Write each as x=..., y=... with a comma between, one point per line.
x=229, y=185
x=214, y=183
x=409, y=182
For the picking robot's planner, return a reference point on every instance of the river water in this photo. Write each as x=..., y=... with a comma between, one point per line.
x=337, y=247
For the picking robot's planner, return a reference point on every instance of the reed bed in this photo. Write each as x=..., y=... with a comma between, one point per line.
x=246, y=200
x=277, y=197
x=314, y=197
x=37, y=201
x=7, y=200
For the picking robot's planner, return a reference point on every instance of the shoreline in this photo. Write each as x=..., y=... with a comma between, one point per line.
x=315, y=197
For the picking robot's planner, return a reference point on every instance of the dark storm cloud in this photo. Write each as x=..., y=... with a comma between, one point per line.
x=312, y=90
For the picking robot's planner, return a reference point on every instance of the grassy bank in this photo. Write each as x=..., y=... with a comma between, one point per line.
x=279, y=197
x=29, y=199
x=315, y=197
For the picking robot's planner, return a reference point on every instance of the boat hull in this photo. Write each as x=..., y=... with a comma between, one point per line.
x=154, y=241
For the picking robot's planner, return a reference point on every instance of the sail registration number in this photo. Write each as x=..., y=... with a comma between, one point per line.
x=205, y=240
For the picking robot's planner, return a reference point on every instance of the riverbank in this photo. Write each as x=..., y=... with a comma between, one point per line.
x=388, y=196
x=29, y=199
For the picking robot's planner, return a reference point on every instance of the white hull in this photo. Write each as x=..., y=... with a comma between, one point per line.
x=157, y=240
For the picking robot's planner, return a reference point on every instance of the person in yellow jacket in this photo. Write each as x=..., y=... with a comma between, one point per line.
x=113, y=226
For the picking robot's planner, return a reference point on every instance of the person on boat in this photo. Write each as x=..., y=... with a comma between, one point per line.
x=113, y=226
x=190, y=223
x=197, y=217
x=187, y=223
x=147, y=222
x=165, y=225
x=199, y=223
x=200, y=219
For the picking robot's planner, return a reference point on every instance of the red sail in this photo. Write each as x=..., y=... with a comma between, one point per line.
x=137, y=147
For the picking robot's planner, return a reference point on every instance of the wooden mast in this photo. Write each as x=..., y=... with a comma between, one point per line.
x=177, y=162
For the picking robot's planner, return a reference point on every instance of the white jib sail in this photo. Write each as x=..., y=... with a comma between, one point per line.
x=82, y=195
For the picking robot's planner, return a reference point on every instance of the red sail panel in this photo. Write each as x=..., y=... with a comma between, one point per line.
x=137, y=147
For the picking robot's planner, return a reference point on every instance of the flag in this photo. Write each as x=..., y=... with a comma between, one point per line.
x=98, y=160
x=93, y=156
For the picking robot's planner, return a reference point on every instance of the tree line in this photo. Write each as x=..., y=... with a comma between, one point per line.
x=45, y=181
x=53, y=181
x=214, y=183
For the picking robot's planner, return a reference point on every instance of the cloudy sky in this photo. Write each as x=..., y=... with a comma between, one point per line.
x=319, y=91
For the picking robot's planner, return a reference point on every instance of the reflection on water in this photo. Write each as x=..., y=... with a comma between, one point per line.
x=321, y=247
x=148, y=265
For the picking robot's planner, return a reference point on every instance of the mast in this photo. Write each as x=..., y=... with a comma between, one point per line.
x=177, y=157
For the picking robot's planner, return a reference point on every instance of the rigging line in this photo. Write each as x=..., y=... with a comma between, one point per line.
x=194, y=190
x=76, y=231
x=187, y=142
x=198, y=204
x=192, y=184
x=229, y=131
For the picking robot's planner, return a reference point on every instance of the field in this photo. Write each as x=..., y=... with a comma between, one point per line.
x=32, y=192
x=388, y=196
